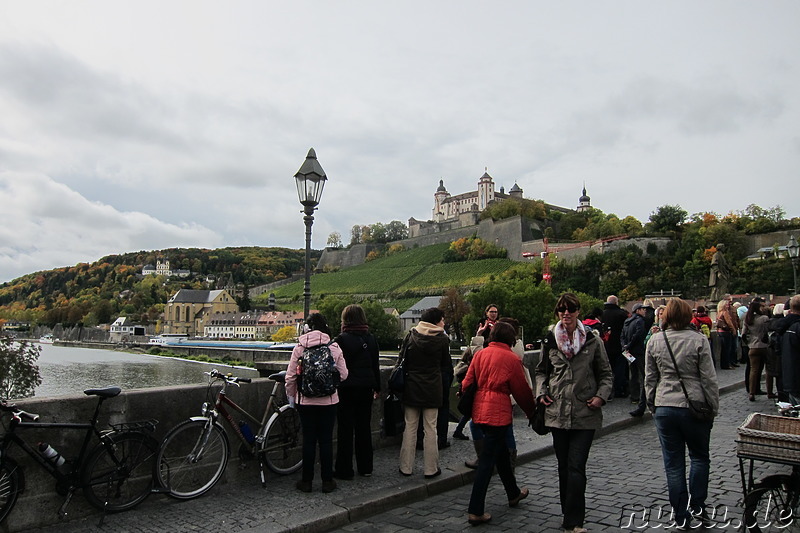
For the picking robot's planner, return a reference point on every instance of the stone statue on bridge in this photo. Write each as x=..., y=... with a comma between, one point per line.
x=720, y=275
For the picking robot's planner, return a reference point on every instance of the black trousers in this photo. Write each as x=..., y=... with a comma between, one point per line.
x=572, y=451
x=317, y=422
x=354, y=431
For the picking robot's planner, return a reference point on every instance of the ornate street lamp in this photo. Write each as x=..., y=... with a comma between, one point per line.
x=310, y=180
x=794, y=254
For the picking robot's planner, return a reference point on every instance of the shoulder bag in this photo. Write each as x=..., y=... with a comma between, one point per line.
x=700, y=409
x=537, y=422
x=397, y=378
x=467, y=399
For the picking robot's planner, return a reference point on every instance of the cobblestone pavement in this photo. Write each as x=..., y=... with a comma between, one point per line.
x=625, y=475
x=626, y=488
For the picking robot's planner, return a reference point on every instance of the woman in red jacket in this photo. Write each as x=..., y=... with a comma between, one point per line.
x=498, y=373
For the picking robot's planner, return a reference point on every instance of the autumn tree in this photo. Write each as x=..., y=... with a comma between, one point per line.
x=455, y=308
x=285, y=334
x=335, y=240
x=19, y=373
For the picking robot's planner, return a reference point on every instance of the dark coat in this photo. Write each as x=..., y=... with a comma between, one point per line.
x=633, y=335
x=426, y=355
x=788, y=328
x=361, y=354
x=613, y=318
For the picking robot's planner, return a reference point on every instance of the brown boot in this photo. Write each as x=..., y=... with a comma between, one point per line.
x=478, y=444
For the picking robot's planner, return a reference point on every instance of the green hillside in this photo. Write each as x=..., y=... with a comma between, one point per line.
x=419, y=271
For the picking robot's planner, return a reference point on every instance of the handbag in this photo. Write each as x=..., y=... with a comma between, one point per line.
x=397, y=378
x=537, y=423
x=700, y=409
x=467, y=400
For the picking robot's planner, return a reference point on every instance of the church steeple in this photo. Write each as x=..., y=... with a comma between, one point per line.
x=584, y=202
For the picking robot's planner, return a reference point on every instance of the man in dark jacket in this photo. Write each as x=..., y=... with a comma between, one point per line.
x=613, y=318
x=788, y=330
x=633, y=335
x=427, y=352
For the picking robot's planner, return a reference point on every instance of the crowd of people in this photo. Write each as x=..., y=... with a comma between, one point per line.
x=661, y=358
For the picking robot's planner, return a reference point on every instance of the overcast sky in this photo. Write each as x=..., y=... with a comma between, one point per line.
x=143, y=125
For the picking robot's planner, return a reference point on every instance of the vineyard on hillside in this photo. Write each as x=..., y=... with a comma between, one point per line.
x=418, y=271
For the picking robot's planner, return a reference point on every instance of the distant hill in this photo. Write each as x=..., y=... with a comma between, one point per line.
x=95, y=293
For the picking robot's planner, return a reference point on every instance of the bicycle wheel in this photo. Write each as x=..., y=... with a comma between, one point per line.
x=772, y=506
x=118, y=476
x=192, y=458
x=282, y=447
x=9, y=487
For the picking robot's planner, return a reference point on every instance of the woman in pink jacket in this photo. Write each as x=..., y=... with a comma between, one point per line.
x=317, y=413
x=499, y=374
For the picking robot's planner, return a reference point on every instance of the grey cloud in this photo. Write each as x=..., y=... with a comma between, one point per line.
x=707, y=109
x=54, y=225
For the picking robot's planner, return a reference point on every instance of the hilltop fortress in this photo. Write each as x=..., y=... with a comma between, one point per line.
x=457, y=216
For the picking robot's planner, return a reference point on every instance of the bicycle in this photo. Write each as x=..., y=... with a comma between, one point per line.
x=115, y=475
x=774, y=500
x=194, y=454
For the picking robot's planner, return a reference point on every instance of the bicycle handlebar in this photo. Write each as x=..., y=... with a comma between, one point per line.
x=229, y=378
x=18, y=413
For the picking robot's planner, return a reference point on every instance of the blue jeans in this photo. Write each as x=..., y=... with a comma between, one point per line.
x=677, y=431
x=495, y=452
x=477, y=434
x=572, y=451
x=317, y=422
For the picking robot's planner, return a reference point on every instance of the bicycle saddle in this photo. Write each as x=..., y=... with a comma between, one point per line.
x=105, y=392
x=280, y=377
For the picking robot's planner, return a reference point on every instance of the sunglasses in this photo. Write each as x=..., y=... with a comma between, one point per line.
x=572, y=308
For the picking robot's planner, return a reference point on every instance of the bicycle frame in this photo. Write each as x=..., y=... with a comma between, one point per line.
x=223, y=401
x=11, y=437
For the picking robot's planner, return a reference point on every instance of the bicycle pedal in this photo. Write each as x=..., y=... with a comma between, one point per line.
x=159, y=490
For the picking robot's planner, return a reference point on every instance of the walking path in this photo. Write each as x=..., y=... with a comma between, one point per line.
x=626, y=475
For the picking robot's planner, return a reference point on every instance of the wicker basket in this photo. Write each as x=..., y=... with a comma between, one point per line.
x=769, y=437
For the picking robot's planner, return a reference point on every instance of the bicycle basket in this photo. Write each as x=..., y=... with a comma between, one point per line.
x=769, y=437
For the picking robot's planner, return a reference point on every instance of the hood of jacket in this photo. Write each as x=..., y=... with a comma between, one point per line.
x=313, y=338
x=426, y=328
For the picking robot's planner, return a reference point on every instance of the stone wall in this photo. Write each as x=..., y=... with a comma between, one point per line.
x=38, y=504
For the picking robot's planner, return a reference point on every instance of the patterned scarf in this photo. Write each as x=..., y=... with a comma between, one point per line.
x=570, y=346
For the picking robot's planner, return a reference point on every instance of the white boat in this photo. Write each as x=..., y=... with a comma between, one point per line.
x=46, y=339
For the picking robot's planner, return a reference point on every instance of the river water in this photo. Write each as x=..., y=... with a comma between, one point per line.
x=68, y=371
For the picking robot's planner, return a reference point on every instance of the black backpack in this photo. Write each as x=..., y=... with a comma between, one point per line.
x=318, y=375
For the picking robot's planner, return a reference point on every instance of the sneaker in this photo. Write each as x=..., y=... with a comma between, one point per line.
x=303, y=486
x=328, y=486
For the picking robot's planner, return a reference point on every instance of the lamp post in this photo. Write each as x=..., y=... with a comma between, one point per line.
x=310, y=180
x=794, y=254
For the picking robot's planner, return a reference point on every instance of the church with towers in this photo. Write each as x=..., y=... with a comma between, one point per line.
x=460, y=210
